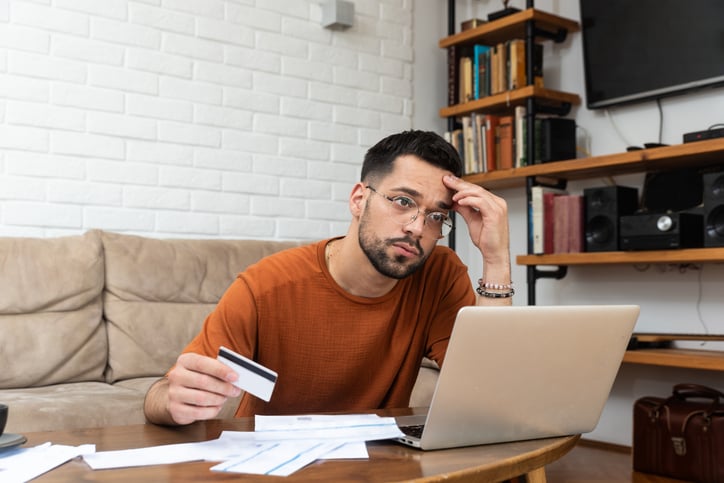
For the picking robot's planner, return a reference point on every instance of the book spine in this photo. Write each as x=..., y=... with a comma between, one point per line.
x=452, y=75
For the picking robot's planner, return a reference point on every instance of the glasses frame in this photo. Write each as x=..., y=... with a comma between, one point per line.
x=448, y=219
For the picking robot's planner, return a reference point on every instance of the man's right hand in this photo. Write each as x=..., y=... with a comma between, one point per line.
x=195, y=389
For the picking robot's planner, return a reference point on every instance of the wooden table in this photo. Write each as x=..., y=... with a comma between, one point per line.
x=388, y=461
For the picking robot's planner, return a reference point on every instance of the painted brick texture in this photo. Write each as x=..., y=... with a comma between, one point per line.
x=193, y=118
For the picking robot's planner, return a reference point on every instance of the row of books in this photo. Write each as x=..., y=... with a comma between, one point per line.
x=483, y=70
x=488, y=142
x=556, y=221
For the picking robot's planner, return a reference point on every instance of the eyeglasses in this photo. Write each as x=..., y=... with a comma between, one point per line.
x=404, y=210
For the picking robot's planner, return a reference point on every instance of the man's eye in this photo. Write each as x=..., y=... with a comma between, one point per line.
x=436, y=217
x=403, y=202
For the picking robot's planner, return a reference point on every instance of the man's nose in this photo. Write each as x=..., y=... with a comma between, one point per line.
x=416, y=226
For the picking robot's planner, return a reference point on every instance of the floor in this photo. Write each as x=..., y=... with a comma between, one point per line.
x=591, y=463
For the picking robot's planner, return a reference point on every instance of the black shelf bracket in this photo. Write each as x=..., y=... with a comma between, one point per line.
x=561, y=109
x=534, y=274
x=558, y=36
x=559, y=183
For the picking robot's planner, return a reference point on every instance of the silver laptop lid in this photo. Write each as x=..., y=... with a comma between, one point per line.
x=516, y=373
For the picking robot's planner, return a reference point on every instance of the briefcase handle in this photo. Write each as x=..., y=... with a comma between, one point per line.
x=685, y=391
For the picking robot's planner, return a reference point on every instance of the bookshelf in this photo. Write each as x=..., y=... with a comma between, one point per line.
x=535, y=25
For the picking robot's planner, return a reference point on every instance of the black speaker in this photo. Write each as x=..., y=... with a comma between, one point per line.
x=557, y=139
x=604, y=207
x=714, y=209
x=670, y=191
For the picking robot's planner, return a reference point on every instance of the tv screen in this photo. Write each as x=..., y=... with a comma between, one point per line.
x=635, y=50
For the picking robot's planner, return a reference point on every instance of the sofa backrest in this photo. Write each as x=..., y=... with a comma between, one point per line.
x=51, y=327
x=158, y=293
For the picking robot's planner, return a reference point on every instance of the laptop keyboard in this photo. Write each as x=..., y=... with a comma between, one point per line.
x=414, y=430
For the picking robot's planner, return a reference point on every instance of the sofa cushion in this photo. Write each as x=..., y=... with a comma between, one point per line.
x=158, y=293
x=51, y=326
x=72, y=406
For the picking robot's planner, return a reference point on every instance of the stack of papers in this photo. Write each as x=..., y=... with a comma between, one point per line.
x=280, y=445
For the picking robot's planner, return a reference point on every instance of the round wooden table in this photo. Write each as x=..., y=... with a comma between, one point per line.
x=388, y=461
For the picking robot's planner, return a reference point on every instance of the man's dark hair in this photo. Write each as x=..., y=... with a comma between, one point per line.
x=426, y=145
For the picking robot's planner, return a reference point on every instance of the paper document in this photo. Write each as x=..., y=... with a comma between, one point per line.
x=24, y=464
x=279, y=446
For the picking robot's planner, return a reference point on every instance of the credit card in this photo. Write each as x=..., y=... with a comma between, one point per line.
x=253, y=377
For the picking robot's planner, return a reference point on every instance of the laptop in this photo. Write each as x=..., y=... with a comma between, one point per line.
x=518, y=373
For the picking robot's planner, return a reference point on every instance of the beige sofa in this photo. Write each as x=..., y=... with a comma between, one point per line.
x=88, y=322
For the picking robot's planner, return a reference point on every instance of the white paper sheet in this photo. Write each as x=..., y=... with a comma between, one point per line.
x=278, y=459
x=24, y=464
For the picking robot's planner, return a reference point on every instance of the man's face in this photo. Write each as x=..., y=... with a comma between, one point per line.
x=398, y=250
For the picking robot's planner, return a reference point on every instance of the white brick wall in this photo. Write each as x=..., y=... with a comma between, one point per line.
x=193, y=118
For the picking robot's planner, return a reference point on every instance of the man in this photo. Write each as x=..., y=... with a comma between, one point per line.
x=345, y=322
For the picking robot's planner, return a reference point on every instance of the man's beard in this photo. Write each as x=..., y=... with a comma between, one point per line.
x=376, y=251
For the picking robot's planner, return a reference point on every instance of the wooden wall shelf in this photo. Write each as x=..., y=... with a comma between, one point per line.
x=684, y=255
x=694, y=155
x=505, y=101
x=510, y=27
x=686, y=358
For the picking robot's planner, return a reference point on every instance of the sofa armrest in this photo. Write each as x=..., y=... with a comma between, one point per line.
x=425, y=384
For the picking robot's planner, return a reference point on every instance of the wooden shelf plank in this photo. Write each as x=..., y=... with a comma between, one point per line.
x=694, y=155
x=509, y=27
x=684, y=255
x=509, y=99
x=685, y=358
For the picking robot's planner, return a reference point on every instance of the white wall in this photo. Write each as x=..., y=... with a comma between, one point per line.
x=197, y=118
x=672, y=298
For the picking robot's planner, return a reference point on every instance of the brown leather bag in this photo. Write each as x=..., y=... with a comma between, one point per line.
x=681, y=436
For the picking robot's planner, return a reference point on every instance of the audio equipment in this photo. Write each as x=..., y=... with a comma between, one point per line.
x=557, y=139
x=674, y=190
x=604, y=206
x=661, y=231
x=714, y=209
x=703, y=135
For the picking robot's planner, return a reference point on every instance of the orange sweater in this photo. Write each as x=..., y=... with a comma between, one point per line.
x=334, y=351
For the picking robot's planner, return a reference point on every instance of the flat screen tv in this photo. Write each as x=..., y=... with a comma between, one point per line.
x=636, y=50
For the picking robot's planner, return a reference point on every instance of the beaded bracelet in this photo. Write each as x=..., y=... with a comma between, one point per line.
x=495, y=286
x=495, y=295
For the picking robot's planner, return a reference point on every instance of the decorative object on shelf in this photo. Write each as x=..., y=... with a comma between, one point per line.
x=471, y=24
x=503, y=13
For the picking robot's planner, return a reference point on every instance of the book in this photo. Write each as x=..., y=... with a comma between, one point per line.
x=575, y=223
x=452, y=75
x=491, y=128
x=521, y=140
x=549, y=221
x=467, y=147
x=478, y=125
x=538, y=65
x=465, y=80
x=504, y=142
x=481, y=59
x=568, y=224
x=560, y=224
x=516, y=64
x=541, y=217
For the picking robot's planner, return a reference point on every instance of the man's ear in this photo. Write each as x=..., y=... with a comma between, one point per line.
x=357, y=199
